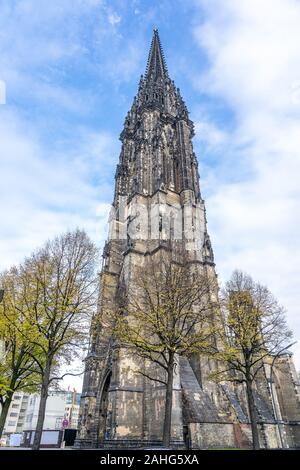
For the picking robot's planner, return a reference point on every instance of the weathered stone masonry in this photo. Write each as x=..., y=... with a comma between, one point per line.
x=158, y=174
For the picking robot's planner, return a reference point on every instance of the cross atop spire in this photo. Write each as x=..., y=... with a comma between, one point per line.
x=156, y=65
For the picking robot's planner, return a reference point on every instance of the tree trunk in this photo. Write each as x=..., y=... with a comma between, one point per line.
x=42, y=408
x=4, y=411
x=253, y=415
x=168, y=404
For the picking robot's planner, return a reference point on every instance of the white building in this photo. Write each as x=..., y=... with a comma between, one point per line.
x=16, y=414
x=55, y=411
x=62, y=410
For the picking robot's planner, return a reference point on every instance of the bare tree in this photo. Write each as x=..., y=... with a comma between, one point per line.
x=255, y=330
x=18, y=370
x=167, y=314
x=58, y=284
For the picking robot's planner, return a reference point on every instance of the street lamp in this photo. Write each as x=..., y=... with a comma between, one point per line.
x=1, y=294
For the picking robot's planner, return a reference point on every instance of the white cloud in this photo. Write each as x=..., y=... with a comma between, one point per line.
x=48, y=184
x=2, y=92
x=42, y=43
x=209, y=134
x=42, y=195
x=253, y=52
x=113, y=18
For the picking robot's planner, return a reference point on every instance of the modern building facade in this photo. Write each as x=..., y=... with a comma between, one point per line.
x=17, y=413
x=158, y=211
x=62, y=410
x=55, y=411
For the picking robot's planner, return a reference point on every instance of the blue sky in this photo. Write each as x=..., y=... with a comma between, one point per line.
x=71, y=69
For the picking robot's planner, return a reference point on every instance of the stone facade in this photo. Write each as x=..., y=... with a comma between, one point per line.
x=158, y=209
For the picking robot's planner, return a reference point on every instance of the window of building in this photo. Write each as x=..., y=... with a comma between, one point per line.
x=13, y=414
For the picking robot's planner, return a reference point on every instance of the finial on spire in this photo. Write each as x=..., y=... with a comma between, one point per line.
x=156, y=65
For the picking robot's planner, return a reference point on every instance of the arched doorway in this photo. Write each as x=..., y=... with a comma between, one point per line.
x=103, y=428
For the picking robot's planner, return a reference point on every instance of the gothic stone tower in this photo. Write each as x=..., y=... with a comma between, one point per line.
x=158, y=208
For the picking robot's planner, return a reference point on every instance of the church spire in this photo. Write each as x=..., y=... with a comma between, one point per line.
x=157, y=149
x=156, y=65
